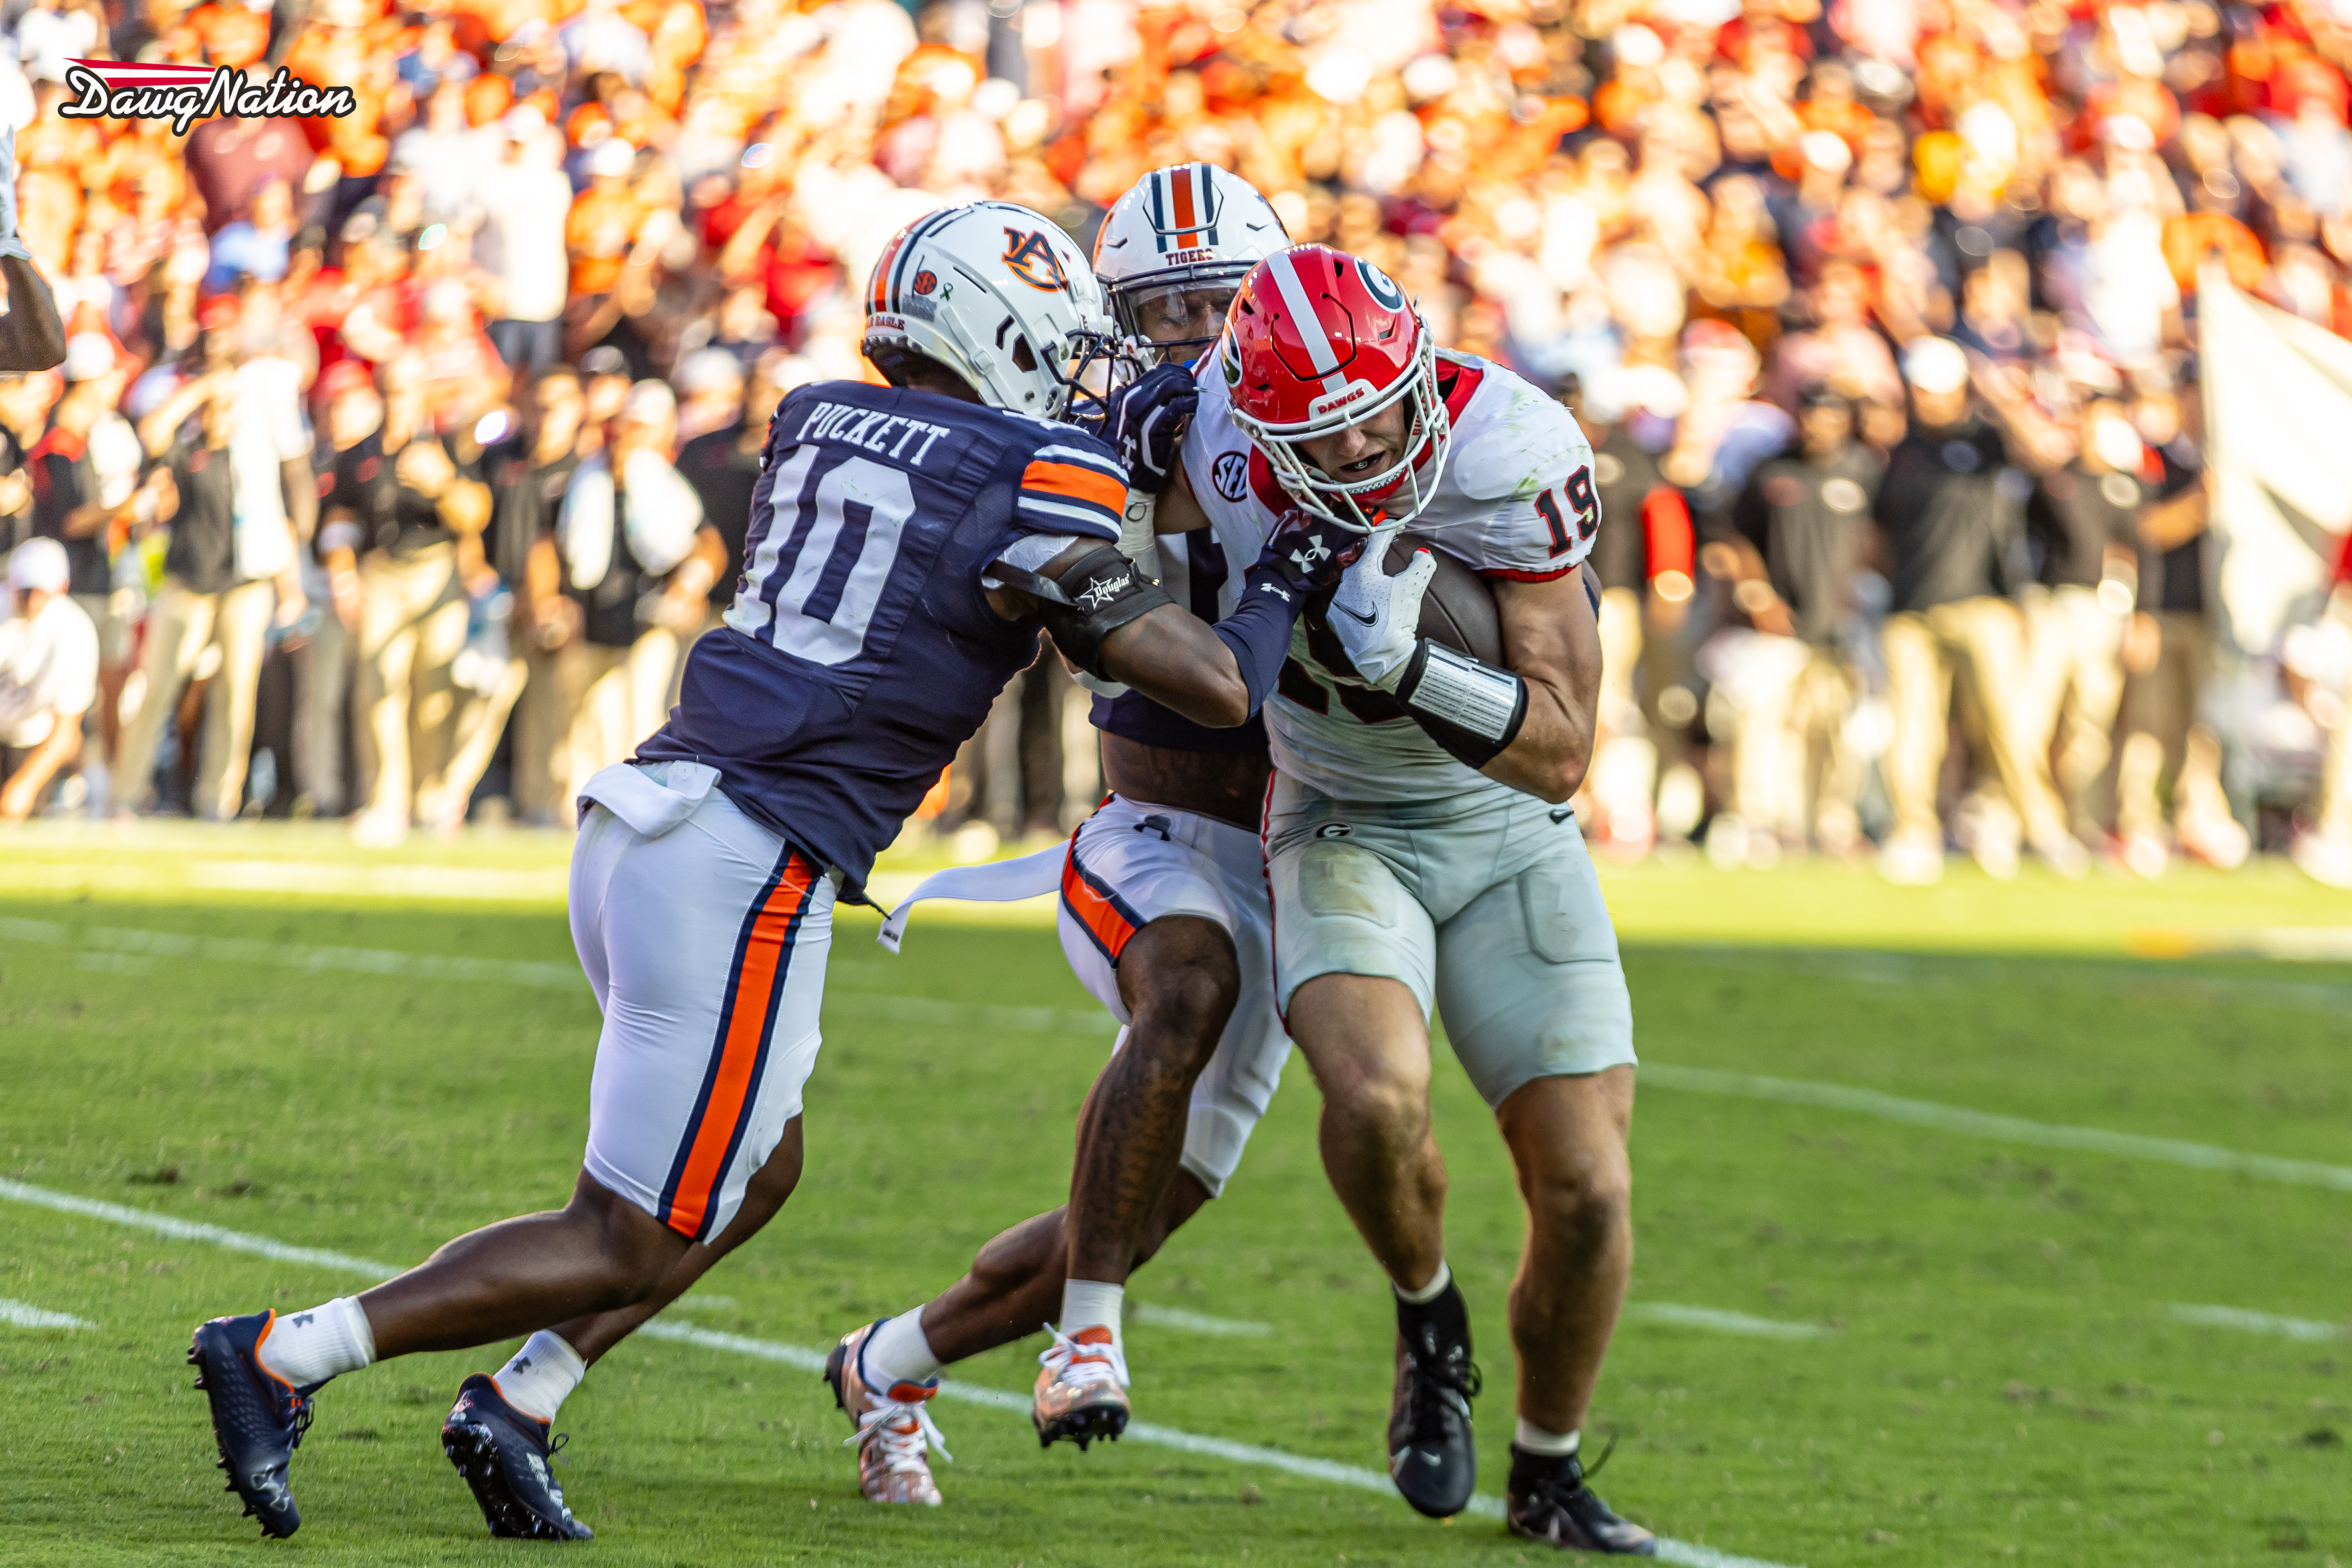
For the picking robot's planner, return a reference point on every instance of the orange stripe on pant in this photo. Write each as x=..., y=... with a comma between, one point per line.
x=1078, y=484
x=1107, y=921
x=761, y=959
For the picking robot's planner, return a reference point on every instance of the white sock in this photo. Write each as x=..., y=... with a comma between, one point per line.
x=310, y=1347
x=1429, y=1292
x=1091, y=1304
x=541, y=1376
x=898, y=1352
x=1533, y=1439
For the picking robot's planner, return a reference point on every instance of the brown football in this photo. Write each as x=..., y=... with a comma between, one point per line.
x=1458, y=610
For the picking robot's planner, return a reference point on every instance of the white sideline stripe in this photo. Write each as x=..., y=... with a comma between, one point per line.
x=2255, y=1322
x=1986, y=1124
x=1048, y=1020
x=191, y=1230
x=1196, y=1323
x=26, y=1315
x=1688, y=1553
x=1722, y=1321
x=924, y=1009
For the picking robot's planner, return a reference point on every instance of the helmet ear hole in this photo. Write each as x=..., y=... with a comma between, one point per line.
x=1024, y=357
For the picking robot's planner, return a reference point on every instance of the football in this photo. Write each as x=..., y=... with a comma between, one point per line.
x=1458, y=610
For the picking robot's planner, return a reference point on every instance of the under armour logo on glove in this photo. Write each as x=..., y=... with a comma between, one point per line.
x=1148, y=419
x=1310, y=551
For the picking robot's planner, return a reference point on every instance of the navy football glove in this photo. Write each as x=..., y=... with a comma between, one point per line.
x=1147, y=425
x=1309, y=551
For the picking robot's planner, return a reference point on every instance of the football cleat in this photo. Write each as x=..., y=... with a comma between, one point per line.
x=1081, y=1389
x=258, y=1417
x=895, y=1431
x=1432, y=1456
x=1547, y=1500
x=504, y=1454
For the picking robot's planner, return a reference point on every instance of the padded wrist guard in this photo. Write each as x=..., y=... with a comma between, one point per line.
x=1097, y=595
x=1472, y=709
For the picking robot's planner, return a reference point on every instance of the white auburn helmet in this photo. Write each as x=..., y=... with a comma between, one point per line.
x=1187, y=227
x=996, y=293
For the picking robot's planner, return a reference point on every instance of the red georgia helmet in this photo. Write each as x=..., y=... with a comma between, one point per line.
x=1316, y=341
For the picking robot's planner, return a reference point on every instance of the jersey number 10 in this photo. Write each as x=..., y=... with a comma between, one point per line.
x=1580, y=498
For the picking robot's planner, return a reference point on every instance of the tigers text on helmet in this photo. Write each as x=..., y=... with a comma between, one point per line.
x=1187, y=230
x=1318, y=340
x=997, y=294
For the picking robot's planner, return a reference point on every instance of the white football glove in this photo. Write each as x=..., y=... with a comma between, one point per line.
x=1377, y=617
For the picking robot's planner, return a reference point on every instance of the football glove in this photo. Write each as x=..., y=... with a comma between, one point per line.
x=1309, y=552
x=1377, y=617
x=1147, y=425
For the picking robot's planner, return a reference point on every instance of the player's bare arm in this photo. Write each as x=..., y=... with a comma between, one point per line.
x=1551, y=641
x=1167, y=653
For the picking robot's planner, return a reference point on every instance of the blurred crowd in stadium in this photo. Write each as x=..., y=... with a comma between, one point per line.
x=1882, y=316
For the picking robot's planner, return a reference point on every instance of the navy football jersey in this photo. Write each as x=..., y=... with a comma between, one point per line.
x=860, y=650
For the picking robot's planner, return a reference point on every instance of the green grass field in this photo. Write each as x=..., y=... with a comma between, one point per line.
x=2001, y=1373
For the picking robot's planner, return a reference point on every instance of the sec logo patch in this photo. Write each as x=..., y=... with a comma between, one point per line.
x=1231, y=475
x=925, y=281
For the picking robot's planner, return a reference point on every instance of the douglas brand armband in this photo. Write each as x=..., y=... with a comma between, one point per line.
x=1472, y=709
x=1096, y=596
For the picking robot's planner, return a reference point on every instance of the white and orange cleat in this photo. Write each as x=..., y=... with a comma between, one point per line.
x=895, y=1431
x=1081, y=1389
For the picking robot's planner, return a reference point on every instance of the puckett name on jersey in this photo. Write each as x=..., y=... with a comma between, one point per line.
x=871, y=428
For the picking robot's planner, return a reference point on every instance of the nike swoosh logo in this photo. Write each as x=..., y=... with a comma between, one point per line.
x=1357, y=615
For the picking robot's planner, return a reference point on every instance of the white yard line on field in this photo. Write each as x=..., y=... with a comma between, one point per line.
x=1986, y=1124
x=1161, y=1317
x=25, y=1315
x=1688, y=1553
x=2255, y=1322
x=844, y=990
x=1722, y=1321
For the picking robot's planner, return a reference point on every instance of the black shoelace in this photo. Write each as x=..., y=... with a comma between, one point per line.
x=1450, y=1371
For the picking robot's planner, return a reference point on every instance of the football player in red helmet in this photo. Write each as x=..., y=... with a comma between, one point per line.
x=1419, y=848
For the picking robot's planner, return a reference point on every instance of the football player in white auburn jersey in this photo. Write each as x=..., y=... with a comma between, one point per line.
x=1163, y=914
x=1419, y=845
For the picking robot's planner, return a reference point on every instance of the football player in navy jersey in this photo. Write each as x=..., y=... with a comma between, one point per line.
x=1163, y=917
x=907, y=543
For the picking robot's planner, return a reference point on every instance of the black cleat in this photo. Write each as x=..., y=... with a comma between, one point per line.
x=1547, y=1500
x=1431, y=1457
x=503, y=1455
x=258, y=1417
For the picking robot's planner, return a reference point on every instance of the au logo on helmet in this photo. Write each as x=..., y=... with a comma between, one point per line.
x=1032, y=260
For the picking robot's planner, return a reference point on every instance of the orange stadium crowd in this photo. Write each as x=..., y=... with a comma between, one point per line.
x=1882, y=317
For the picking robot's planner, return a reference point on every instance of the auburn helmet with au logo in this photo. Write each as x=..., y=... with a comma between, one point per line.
x=1318, y=340
x=996, y=293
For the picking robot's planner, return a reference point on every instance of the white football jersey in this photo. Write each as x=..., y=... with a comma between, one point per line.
x=1516, y=502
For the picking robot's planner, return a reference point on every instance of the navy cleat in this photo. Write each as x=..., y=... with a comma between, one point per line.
x=503, y=1453
x=1547, y=1500
x=258, y=1417
x=1432, y=1456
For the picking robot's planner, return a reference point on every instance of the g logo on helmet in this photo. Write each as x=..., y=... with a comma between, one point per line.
x=1382, y=288
x=1032, y=260
x=926, y=280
